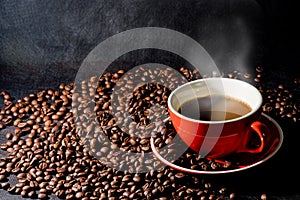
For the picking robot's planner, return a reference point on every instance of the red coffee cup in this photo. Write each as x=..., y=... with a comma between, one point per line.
x=217, y=138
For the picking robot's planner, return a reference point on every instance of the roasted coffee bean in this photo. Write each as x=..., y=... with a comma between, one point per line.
x=263, y=197
x=4, y=185
x=42, y=196
x=48, y=156
x=8, y=135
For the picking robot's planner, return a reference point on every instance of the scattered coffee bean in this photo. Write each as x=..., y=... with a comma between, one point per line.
x=47, y=154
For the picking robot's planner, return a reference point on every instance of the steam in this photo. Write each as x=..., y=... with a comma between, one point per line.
x=230, y=43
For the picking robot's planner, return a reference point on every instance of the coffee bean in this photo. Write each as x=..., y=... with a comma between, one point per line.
x=42, y=195
x=4, y=185
x=8, y=135
x=48, y=157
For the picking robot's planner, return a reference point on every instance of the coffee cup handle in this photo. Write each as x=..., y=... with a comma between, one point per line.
x=262, y=131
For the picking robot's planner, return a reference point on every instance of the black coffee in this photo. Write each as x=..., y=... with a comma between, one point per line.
x=208, y=108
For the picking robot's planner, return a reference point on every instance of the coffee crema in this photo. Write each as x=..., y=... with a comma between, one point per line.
x=214, y=108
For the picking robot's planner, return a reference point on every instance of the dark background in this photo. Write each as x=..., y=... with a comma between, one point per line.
x=42, y=44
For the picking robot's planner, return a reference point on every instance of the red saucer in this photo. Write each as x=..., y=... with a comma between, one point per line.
x=246, y=160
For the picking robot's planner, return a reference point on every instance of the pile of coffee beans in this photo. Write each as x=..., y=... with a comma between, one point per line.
x=92, y=140
x=280, y=101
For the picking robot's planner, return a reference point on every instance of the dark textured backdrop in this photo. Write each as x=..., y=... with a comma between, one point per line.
x=44, y=42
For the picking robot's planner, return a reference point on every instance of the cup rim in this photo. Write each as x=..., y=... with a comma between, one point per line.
x=253, y=109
